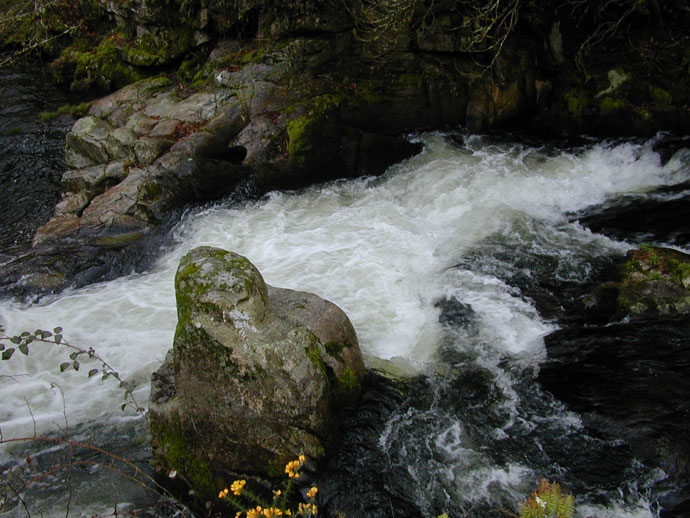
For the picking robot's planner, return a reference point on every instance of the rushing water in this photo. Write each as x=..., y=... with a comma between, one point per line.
x=453, y=267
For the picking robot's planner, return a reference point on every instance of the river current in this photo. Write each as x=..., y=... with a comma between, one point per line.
x=454, y=267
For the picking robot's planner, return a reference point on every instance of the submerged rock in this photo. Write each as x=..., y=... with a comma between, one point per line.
x=257, y=375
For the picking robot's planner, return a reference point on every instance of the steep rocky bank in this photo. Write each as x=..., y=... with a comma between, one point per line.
x=259, y=95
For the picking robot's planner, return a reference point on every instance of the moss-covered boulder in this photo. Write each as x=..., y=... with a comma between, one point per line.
x=653, y=283
x=257, y=375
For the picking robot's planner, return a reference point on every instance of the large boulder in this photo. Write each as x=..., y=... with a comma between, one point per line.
x=257, y=375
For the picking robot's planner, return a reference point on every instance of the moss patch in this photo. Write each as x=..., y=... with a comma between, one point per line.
x=662, y=99
x=313, y=135
x=75, y=110
x=15, y=130
x=170, y=446
x=150, y=49
x=335, y=349
x=315, y=358
x=578, y=104
x=348, y=384
x=101, y=67
x=609, y=105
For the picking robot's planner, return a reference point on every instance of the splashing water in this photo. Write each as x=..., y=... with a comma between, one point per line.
x=386, y=250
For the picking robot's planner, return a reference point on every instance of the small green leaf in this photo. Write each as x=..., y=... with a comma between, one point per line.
x=2, y=346
x=123, y=406
x=73, y=356
x=15, y=339
x=93, y=372
x=75, y=364
x=25, y=333
x=29, y=339
x=58, y=339
x=24, y=349
x=64, y=366
x=7, y=353
x=105, y=375
x=57, y=330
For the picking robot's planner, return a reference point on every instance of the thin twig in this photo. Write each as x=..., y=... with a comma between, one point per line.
x=35, y=45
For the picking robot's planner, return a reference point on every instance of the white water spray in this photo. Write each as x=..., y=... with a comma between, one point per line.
x=382, y=249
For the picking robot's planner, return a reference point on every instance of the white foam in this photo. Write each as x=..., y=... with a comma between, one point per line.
x=379, y=248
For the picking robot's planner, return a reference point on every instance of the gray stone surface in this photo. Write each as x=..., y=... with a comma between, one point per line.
x=257, y=374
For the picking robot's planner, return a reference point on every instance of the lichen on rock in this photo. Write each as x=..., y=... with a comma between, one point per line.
x=653, y=282
x=250, y=383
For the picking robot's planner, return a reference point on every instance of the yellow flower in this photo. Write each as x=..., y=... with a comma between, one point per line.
x=237, y=487
x=254, y=513
x=277, y=492
x=292, y=467
x=223, y=493
x=272, y=512
x=238, y=514
x=302, y=459
x=307, y=509
x=312, y=492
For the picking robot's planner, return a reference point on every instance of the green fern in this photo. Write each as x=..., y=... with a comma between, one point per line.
x=548, y=501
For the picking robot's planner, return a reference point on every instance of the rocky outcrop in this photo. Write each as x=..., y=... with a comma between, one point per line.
x=257, y=375
x=286, y=94
x=653, y=283
x=274, y=117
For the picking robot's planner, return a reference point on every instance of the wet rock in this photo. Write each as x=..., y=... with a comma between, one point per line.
x=257, y=374
x=147, y=149
x=86, y=142
x=653, y=283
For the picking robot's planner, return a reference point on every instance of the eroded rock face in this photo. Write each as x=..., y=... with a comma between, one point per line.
x=257, y=374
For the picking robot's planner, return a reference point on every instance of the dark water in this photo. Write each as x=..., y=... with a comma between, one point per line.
x=31, y=152
x=607, y=413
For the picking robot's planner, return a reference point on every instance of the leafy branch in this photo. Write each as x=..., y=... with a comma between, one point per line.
x=9, y=345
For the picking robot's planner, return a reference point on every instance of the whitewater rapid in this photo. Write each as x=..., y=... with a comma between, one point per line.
x=384, y=249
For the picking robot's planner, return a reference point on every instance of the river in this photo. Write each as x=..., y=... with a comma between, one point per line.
x=455, y=267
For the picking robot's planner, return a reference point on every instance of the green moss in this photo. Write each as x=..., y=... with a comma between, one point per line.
x=15, y=130
x=644, y=114
x=149, y=49
x=171, y=445
x=103, y=68
x=662, y=99
x=609, y=105
x=578, y=103
x=314, y=356
x=312, y=134
x=414, y=80
x=188, y=70
x=335, y=349
x=347, y=384
x=75, y=110
x=49, y=26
